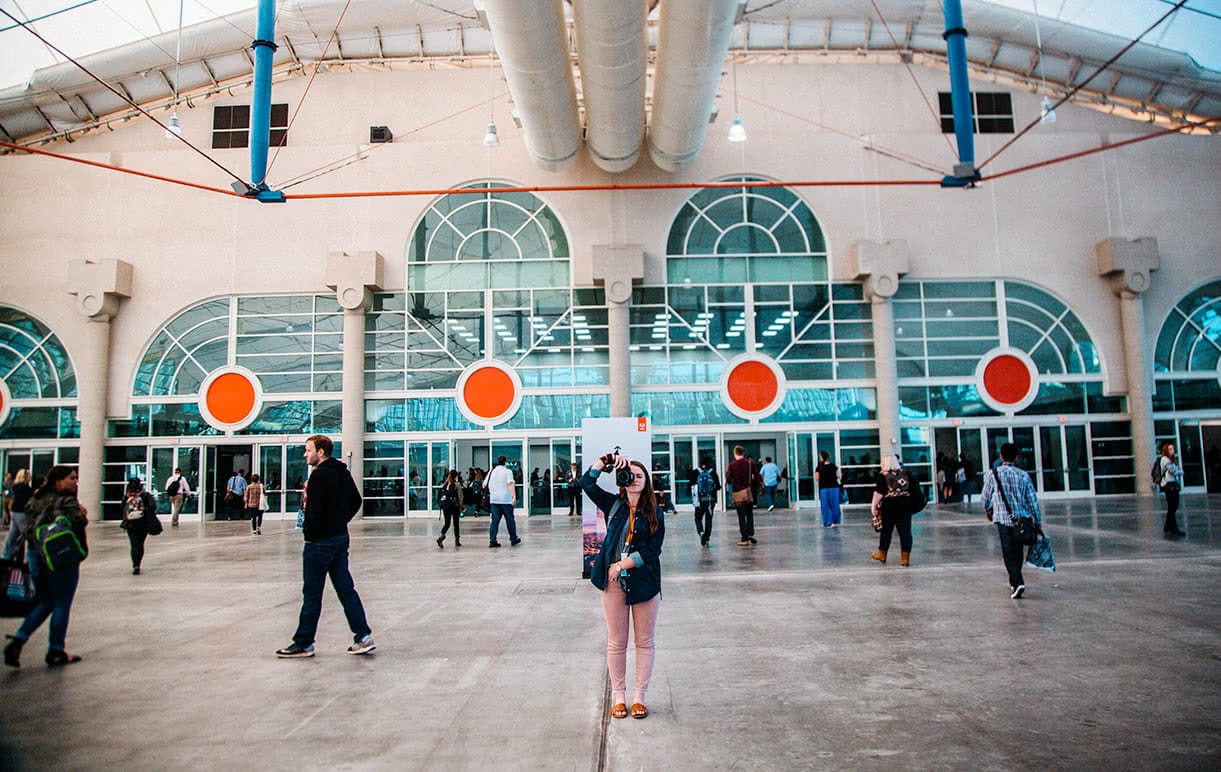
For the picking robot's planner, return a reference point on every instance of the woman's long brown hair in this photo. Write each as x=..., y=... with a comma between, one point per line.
x=647, y=503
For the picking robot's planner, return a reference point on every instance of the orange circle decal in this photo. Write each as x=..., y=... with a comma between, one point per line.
x=489, y=392
x=230, y=398
x=752, y=386
x=1007, y=380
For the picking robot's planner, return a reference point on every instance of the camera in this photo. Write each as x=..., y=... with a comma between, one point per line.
x=624, y=476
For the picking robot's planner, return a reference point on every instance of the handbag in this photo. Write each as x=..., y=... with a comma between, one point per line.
x=1040, y=555
x=20, y=586
x=741, y=498
x=843, y=495
x=153, y=525
x=18, y=600
x=263, y=503
x=300, y=519
x=1026, y=531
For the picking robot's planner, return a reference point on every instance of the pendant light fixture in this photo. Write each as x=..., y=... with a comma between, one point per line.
x=174, y=128
x=737, y=132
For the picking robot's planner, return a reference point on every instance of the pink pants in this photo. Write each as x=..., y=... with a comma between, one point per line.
x=643, y=620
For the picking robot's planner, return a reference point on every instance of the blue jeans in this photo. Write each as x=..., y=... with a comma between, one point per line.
x=769, y=493
x=1011, y=550
x=320, y=558
x=55, y=591
x=505, y=511
x=828, y=500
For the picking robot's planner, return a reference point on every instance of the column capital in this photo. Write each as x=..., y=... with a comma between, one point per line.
x=354, y=278
x=880, y=264
x=1127, y=263
x=617, y=269
x=98, y=286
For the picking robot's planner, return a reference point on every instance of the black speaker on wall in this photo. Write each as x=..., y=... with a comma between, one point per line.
x=379, y=134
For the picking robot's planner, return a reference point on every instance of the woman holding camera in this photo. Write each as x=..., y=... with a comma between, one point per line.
x=628, y=572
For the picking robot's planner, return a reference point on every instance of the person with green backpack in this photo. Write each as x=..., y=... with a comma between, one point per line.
x=55, y=535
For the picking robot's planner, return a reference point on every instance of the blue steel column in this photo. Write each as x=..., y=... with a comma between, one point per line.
x=960, y=91
x=260, y=108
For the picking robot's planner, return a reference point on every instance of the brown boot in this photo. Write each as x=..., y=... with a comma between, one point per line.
x=905, y=558
x=879, y=555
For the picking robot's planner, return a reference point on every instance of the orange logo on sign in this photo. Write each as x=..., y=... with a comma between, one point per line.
x=753, y=386
x=642, y=424
x=489, y=392
x=230, y=398
x=1007, y=380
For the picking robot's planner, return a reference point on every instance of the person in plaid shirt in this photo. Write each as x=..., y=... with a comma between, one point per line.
x=1017, y=490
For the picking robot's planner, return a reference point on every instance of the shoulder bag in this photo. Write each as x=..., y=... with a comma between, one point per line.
x=1024, y=528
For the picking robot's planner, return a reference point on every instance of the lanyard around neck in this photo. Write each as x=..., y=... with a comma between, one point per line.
x=631, y=526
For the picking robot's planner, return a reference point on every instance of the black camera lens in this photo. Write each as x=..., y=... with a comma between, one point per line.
x=624, y=476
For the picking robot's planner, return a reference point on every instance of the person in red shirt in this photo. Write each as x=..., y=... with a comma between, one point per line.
x=741, y=476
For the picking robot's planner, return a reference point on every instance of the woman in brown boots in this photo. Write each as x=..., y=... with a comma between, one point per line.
x=896, y=497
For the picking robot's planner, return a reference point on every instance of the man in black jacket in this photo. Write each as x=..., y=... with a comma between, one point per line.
x=331, y=500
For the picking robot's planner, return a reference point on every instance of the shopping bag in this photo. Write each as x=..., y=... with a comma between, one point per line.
x=1040, y=555
x=17, y=600
x=20, y=588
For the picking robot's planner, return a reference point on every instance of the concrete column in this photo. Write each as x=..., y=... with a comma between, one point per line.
x=354, y=279
x=620, y=358
x=886, y=372
x=617, y=269
x=879, y=265
x=98, y=286
x=1129, y=265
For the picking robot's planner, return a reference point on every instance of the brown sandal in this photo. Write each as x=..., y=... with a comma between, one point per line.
x=619, y=710
x=639, y=711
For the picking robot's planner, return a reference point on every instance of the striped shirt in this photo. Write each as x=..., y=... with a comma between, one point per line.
x=1018, y=489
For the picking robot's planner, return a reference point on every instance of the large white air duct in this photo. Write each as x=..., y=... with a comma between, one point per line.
x=532, y=41
x=692, y=41
x=613, y=51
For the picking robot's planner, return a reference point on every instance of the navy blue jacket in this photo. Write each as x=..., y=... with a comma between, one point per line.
x=643, y=581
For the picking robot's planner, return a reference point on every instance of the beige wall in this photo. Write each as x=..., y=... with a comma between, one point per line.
x=187, y=245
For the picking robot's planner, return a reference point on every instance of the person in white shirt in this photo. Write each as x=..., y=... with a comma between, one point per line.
x=177, y=488
x=503, y=492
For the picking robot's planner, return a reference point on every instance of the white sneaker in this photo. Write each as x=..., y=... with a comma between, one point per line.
x=1017, y=591
x=769, y=509
x=363, y=646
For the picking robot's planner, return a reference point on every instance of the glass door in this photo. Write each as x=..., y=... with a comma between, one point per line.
x=561, y=462
x=684, y=463
x=384, y=475
x=271, y=472
x=1077, y=459
x=540, y=477
x=1051, y=455
x=427, y=464
x=162, y=463
x=663, y=479
x=512, y=451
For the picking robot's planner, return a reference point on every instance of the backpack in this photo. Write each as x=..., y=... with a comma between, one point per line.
x=1156, y=472
x=446, y=498
x=57, y=543
x=705, y=488
x=901, y=486
x=171, y=487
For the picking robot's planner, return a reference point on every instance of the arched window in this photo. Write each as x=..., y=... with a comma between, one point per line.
x=1190, y=338
x=33, y=362
x=1187, y=360
x=745, y=234
x=484, y=240
x=292, y=343
x=944, y=328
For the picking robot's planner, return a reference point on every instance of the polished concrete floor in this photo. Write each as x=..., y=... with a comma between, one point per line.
x=798, y=653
